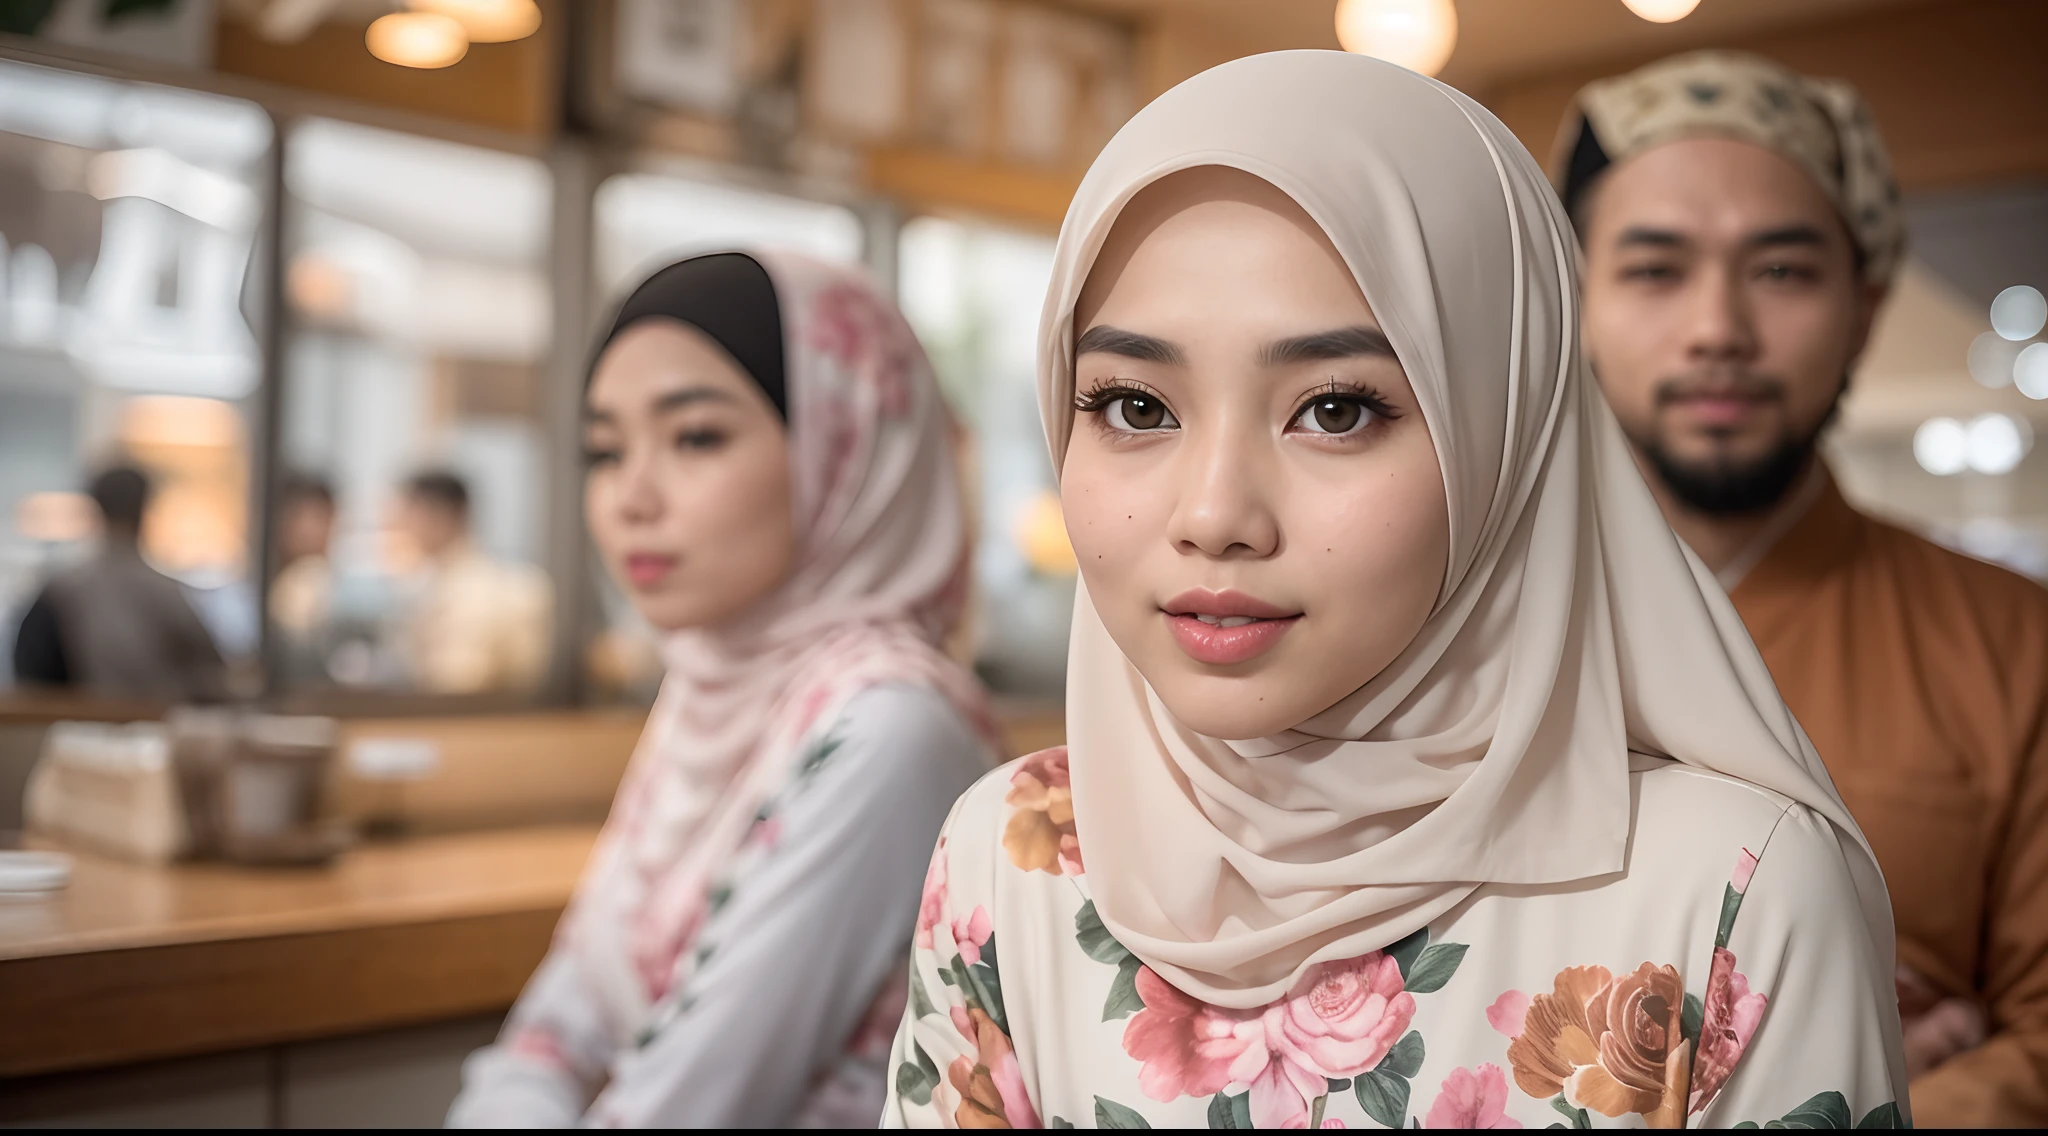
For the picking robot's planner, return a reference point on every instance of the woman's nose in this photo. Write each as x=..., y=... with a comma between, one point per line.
x=1222, y=510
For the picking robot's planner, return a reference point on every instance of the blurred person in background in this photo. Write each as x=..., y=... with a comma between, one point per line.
x=114, y=626
x=1741, y=226
x=476, y=625
x=769, y=479
x=302, y=594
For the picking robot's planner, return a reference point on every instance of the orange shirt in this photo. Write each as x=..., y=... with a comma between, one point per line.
x=1922, y=678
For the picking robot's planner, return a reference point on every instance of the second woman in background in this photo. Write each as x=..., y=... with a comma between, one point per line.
x=770, y=478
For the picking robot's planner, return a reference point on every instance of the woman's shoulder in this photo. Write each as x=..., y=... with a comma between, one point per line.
x=905, y=743
x=1682, y=811
x=1671, y=793
x=1020, y=813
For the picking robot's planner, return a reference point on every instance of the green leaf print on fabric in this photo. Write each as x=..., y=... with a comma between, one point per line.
x=1731, y=902
x=979, y=984
x=1059, y=1122
x=1383, y=1093
x=1408, y=950
x=819, y=755
x=1691, y=1018
x=1109, y=1114
x=719, y=897
x=1124, y=999
x=1577, y=1116
x=1831, y=1110
x=1434, y=967
x=1384, y=1096
x=1096, y=941
x=920, y=999
x=1405, y=1059
x=1230, y=1112
x=916, y=1080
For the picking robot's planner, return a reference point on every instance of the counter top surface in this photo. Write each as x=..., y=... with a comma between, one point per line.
x=113, y=905
x=134, y=963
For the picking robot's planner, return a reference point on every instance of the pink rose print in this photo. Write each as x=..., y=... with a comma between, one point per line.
x=1281, y=1093
x=848, y=326
x=1472, y=1098
x=971, y=932
x=932, y=908
x=1343, y=1017
x=1732, y=1015
x=1508, y=1013
x=1745, y=866
x=1189, y=1048
x=1339, y=1022
x=540, y=1046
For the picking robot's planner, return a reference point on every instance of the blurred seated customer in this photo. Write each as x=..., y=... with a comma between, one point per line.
x=476, y=624
x=769, y=479
x=1741, y=227
x=113, y=626
x=302, y=594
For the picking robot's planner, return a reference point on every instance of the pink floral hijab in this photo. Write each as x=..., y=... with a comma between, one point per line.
x=880, y=579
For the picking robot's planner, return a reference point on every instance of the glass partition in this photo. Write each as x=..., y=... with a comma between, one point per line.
x=129, y=216
x=412, y=520
x=973, y=292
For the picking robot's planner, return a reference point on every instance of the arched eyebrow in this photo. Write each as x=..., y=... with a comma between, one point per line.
x=1342, y=343
x=672, y=400
x=1106, y=340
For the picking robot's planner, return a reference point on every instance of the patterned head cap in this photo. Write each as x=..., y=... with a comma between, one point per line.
x=1821, y=125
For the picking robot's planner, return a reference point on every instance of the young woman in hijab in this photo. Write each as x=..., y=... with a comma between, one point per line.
x=1416, y=772
x=771, y=479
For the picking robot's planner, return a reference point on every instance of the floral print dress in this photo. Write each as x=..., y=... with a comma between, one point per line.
x=793, y=971
x=1723, y=979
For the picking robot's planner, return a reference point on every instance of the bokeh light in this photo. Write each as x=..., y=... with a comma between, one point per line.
x=2019, y=312
x=1041, y=533
x=1995, y=443
x=417, y=39
x=1662, y=11
x=2030, y=371
x=1941, y=446
x=1417, y=34
x=1992, y=357
x=486, y=21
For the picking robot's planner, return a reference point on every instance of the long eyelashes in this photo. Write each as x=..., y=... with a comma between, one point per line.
x=1364, y=396
x=1101, y=395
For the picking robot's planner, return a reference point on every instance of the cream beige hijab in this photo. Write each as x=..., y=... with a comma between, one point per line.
x=1571, y=628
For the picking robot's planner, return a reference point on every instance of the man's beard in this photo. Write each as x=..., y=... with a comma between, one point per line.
x=1721, y=486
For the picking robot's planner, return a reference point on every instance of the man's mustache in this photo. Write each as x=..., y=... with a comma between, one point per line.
x=1740, y=385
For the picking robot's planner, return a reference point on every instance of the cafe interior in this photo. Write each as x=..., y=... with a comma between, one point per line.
x=286, y=255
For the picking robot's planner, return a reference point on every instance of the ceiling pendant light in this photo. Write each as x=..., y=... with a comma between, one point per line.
x=417, y=39
x=1417, y=34
x=1662, y=11
x=486, y=21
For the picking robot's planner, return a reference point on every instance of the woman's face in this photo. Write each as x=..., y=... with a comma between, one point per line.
x=1251, y=489
x=688, y=489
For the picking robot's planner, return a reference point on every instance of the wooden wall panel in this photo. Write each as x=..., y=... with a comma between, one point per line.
x=1959, y=87
x=503, y=86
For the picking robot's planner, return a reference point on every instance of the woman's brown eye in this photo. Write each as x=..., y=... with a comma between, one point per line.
x=1333, y=416
x=1139, y=412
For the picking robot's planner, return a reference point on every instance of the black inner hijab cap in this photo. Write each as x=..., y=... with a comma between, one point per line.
x=1588, y=161
x=727, y=296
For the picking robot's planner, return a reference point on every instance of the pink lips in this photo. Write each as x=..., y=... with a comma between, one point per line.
x=1218, y=645
x=646, y=569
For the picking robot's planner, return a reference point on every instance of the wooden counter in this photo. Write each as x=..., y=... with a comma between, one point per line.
x=132, y=963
